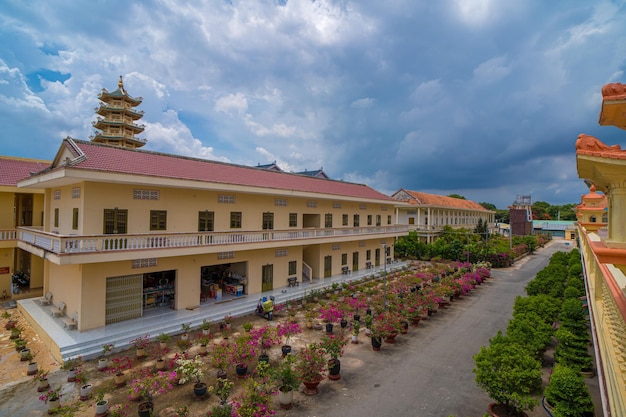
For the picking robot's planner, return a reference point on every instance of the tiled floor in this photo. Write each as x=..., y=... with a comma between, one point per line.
x=165, y=320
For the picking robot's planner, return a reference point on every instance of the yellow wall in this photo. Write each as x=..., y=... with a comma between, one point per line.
x=6, y=261
x=7, y=217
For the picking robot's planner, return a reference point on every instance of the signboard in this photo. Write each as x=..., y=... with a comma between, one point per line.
x=5, y=269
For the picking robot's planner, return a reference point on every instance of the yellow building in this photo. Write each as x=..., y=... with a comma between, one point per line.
x=592, y=212
x=429, y=213
x=604, y=252
x=127, y=230
x=19, y=208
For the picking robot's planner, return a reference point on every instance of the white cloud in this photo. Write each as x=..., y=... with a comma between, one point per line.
x=232, y=103
x=363, y=103
x=492, y=70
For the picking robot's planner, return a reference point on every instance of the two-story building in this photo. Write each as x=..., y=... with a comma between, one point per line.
x=429, y=213
x=604, y=250
x=127, y=230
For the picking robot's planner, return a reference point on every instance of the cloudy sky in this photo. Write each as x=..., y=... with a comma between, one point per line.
x=482, y=98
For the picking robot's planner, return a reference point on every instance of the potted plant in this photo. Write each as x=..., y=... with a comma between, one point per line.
x=52, y=397
x=103, y=362
x=311, y=366
x=102, y=405
x=330, y=315
x=141, y=343
x=192, y=369
x=243, y=349
x=265, y=337
x=186, y=327
x=41, y=377
x=333, y=346
x=163, y=338
x=117, y=368
x=356, y=327
x=247, y=326
x=10, y=322
x=255, y=396
x=71, y=365
x=206, y=327
x=286, y=380
x=219, y=357
x=203, y=341
x=567, y=393
x=287, y=330
x=509, y=374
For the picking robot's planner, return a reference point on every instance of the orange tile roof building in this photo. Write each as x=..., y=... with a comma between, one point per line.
x=429, y=213
x=604, y=251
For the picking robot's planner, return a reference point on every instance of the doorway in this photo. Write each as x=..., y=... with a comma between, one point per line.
x=267, y=278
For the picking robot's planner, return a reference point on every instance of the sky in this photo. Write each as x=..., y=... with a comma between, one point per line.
x=482, y=98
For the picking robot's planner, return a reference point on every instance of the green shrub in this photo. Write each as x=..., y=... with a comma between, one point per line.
x=568, y=393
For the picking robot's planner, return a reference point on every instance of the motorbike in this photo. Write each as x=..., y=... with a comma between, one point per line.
x=265, y=308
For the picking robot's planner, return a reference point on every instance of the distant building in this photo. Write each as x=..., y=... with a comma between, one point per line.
x=429, y=213
x=565, y=229
x=521, y=216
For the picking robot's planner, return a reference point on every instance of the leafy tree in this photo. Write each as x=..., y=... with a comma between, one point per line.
x=530, y=331
x=457, y=196
x=481, y=229
x=488, y=206
x=568, y=393
x=546, y=307
x=508, y=373
x=571, y=350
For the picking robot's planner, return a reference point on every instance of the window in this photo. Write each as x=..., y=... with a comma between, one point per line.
x=56, y=217
x=411, y=220
x=369, y=219
x=368, y=255
x=225, y=255
x=362, y=206
x=158, y=220
x=74, y=218
x=311, y=204
x=344, y=220
x=268, y=221
x=292, y=268
x=336, y=205
x=344, y=259
x=280, y=202
x=293, y=219
x=144, y=263
x=389, y=219
x=57, y=194
x=235, y=220
x=336, y=246
x=328, y=220
x=280, y=253
x=115, y=221
x=206, y=221
x=76, y=192
x=378, y=220
x=226, y=199
x=355, y=221
x=146, y=195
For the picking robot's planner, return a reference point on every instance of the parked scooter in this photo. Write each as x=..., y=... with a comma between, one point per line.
x=265, y=308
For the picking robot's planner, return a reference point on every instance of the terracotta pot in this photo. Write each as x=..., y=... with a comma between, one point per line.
x=310, y=387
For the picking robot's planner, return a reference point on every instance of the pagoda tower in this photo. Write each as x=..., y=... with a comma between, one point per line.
x=117, y=124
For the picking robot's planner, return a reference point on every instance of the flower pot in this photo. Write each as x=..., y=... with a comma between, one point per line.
x=285, y=399
x=200, y=389
x=10, y=324
x=163, y=345
x=85, y=391
x=221, y=374
x=376, y=343
x=32, y=368
x=184, y=336
x=140, y=352
x=334, y=369
x=356, y=317
x=286, y=349
x=310, y=387
x=120, y=379
x=102, y=407
x=343, y=323
x=329, y=327
x=264, y=358
x=42, y=385
x=391, y=339
x=309, y=324
x=355, y=340
x=71, y=375
x=241, y=369
x=160, y=364
x=103, y=363
x=206, y=332
x=145, y=409
x=202, y=350
x=53, y=405
x=405, y=327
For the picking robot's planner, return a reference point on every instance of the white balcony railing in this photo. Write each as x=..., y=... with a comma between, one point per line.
x=62, y=244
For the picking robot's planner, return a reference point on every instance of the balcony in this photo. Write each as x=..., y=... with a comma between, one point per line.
x=94, y=244
x=606, y=294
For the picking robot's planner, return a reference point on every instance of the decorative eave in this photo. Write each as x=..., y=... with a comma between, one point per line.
x=105, y=109
x=613, y=105
x=603, y=165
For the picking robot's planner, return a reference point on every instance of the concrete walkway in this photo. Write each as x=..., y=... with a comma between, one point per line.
x=88, y=344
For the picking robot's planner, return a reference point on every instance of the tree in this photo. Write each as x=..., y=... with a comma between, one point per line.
x=529, y=330
x=508, y=373
x=568, y=393
x=488, y=206
x=457, y=196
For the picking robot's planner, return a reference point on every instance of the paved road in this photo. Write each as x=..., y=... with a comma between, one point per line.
x=429, y=371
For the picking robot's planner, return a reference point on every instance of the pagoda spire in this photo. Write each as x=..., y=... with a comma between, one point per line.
x=118, y=125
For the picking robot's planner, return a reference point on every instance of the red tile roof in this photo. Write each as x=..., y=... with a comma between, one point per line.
x=105, y=158
x=425, y=199
x=13, y=170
